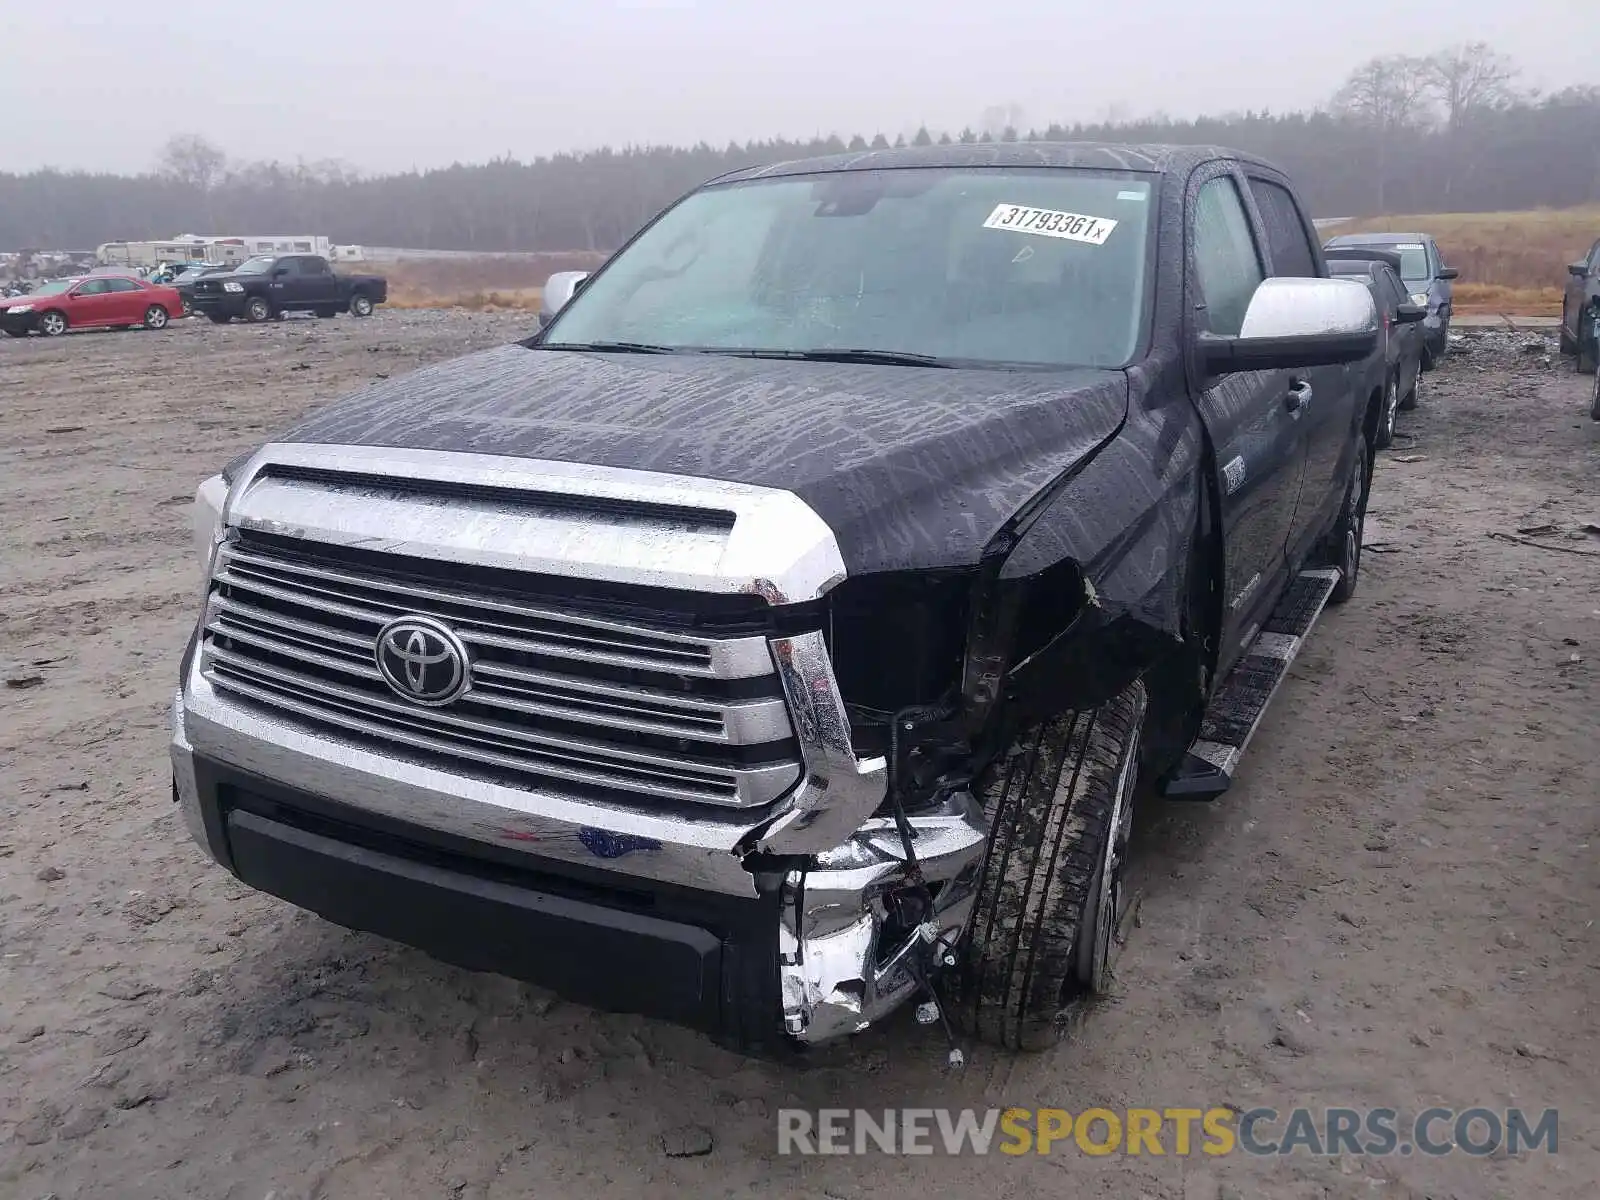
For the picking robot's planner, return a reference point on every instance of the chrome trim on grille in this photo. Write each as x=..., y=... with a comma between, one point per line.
x=494, y=622
x=840, y=791
x=696, y=851
x=300, y=638
x=641, y=527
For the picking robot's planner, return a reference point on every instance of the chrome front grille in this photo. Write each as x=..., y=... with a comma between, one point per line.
x=557, y=699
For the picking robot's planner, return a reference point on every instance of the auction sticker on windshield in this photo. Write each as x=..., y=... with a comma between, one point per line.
x=1049, y=222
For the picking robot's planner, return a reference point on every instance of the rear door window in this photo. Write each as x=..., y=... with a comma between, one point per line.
x=1288, y=243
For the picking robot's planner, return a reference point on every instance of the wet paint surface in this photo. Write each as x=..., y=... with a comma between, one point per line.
x=909, y=467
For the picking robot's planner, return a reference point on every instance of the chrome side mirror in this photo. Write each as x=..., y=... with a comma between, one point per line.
x=1298, y=322
x=558, y=290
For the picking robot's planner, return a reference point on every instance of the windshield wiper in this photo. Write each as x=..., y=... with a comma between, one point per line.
x=893, y=358
x=611, y=347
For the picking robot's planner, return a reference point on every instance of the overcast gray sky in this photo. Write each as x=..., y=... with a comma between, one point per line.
x=386, y=84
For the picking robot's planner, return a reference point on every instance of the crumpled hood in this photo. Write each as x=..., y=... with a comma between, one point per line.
x=910, y=467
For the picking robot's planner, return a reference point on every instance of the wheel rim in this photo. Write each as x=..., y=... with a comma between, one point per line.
x=258, y=310
x=361, y=305
x=52, y=324
x=155, y=318
x=1390, y=405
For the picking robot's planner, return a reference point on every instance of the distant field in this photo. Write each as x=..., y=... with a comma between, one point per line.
x=474, y=281
x=1512, y=262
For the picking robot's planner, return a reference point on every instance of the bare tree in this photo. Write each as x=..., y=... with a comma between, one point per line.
x=188, y=157
x=1391, y=93
x=1469, y=79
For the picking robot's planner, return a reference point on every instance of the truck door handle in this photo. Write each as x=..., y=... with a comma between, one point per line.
x=1298, y=396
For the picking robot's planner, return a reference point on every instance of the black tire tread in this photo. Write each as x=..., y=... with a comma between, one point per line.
x=1049, y=802
x=1346, y=587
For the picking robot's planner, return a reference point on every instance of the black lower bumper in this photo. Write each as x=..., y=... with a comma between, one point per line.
x=612, y=942
x=231, y=304
x=22, y=323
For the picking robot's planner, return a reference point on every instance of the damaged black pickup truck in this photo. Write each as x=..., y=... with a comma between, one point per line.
x=784, y=631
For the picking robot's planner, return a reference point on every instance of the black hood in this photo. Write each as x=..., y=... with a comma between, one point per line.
x=911, y=467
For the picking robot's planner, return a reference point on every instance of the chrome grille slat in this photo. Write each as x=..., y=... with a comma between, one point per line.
x=532, y=691
x=377, y=612
x=742, y=785
x=553, y=696
x=419, y=737
x=537, y=693
x=730, y=658
x=263, y=616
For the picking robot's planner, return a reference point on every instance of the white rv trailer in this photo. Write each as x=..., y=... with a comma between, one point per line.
x=194, y=248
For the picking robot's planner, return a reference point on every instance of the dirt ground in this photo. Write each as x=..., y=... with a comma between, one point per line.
x=1395, y=906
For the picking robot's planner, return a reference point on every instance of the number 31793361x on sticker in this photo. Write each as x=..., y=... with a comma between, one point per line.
x=1050, y=222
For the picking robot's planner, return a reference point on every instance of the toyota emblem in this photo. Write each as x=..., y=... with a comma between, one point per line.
x=422, y=660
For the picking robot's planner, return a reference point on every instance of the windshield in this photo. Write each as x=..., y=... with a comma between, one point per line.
x=1413, y=263
x=982, y=267
x=254, y=266
x=54, y=288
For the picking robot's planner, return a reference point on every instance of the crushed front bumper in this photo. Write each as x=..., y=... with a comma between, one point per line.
x=753, y=931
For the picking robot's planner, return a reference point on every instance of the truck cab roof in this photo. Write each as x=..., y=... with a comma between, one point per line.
x=1102, y=156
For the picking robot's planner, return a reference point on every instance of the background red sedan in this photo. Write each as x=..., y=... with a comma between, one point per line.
x=62, y=304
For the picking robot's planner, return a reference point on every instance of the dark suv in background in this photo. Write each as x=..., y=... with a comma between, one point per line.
x=1580, y=311
x=1398, y=367
x=1426, y=277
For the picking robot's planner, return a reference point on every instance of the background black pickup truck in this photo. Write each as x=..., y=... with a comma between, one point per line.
x=264, y=287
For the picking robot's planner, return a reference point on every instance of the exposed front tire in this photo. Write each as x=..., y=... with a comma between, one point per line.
x=1594, y=407
x=1060, y=807
x=52, y=323
x=218, y=318
x=326, y=311
x=1568, y=344
x=155, y=317
x=1344, y=543
x=257, y=310
x=360, y=305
